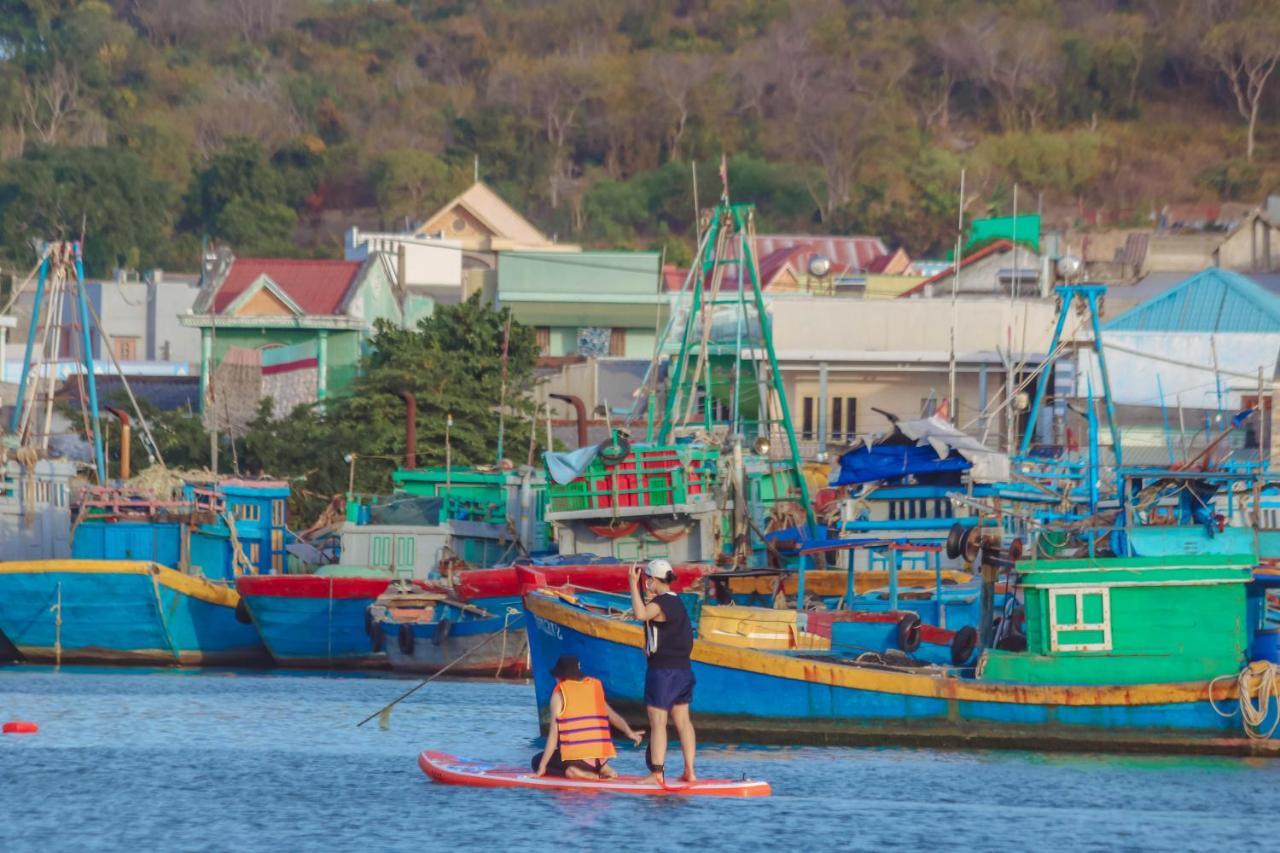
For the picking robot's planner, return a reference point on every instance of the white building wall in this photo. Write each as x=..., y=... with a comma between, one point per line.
x=427, y=262
x=1182, y=364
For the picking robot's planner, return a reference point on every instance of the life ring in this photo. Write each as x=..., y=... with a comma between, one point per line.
x=443, y=628
x=375, y=637
x=909, y=631
x=242, y=613
x=611, y=453
x=963, y=644
x=955, y=541
x=405, y=639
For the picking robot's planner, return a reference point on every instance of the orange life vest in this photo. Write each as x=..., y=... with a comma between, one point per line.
x=583, y=722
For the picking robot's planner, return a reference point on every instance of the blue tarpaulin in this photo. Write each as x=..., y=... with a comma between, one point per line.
x=895, y=461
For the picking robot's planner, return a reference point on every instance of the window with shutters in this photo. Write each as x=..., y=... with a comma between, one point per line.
x=380, y=551
x=542, y=337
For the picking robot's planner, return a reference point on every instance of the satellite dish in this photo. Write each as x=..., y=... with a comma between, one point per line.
x=819, y=266
x=1069, y=267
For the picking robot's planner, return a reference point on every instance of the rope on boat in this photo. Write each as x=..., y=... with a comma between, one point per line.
x=1257, y=684
x=502, y=656
x=385, y=708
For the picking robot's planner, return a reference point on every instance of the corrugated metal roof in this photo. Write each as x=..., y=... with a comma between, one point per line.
x=317, y=286
x=1211, y=301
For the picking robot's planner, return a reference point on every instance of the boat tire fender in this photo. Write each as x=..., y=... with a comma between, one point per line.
x=955, y=541
x=963, y=644
x=611, y=454
x=375, y=637
x=406, y=639
x=909, y=631
x=443, y=628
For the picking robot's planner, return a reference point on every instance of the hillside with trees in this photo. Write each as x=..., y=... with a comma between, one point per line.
x=270, y=125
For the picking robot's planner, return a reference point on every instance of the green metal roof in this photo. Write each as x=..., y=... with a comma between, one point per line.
x=1215, y=300
x=588, y=276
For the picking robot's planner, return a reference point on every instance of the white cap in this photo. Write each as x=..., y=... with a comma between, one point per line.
x=660, y=570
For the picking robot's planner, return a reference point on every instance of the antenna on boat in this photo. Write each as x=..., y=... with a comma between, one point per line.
x=955, y=286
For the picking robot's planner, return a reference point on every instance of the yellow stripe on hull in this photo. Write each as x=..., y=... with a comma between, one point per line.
x=825, y=582
x=896, y=683
x=198, y=588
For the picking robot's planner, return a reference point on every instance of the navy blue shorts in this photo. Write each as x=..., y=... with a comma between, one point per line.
x=664, y=688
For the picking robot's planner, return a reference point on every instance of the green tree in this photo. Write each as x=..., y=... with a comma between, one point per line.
x=241, y=198
x=411, y=184
x=106, y=194
x=452, y=362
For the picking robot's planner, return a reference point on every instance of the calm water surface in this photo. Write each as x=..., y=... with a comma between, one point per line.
x=209, y=760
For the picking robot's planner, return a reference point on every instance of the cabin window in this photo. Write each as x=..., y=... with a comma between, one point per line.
x=542, y=337
x=277, y=513
x=380, y=551
x=807, y=428
x=1080, y=619
x=254, y=553
x=246, y=512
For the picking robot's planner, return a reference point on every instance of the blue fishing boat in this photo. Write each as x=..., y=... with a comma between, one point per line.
x=148, y=581
x=1123, y=654
x=442, y=520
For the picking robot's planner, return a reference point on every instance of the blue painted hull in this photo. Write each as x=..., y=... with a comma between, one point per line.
x=746, y=702
x=315, y=632
x=111, y=616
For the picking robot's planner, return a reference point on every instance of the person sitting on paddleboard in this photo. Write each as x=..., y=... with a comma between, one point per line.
x=580, y=744
x=668, y=681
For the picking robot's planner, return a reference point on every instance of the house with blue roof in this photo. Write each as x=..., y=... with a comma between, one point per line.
x=1203, y=350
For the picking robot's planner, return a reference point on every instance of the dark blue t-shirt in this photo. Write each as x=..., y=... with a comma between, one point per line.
x=670, y=642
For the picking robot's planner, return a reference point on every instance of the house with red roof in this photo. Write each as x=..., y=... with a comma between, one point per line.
x=289, y=330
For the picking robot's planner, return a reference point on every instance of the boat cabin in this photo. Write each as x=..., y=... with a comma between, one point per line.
x=1134, y=620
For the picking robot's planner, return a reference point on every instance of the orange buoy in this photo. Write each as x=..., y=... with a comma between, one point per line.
x=20, y=727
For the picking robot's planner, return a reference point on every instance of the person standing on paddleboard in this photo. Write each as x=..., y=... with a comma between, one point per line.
x=580, y=743
x=668, y=681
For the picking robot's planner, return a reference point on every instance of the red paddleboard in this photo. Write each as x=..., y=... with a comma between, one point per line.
x=457, y=771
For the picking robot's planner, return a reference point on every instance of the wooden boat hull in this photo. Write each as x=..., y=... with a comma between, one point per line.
x=116, y=611
x=763, y=696
x=455, y=771
x=491, y=646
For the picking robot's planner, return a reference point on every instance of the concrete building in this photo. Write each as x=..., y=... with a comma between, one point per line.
x=424, y=266
x=1253, y=245
x=999, y=269
x=1204, y=348
x=590, y=304
x=142, y=317
x=894, y=355
x=485, y=225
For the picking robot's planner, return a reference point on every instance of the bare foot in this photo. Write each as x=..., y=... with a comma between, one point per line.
x=653, y=779
x=688, y=776
x=579, y=773
x=607, y=772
